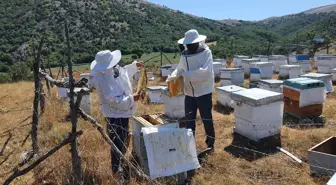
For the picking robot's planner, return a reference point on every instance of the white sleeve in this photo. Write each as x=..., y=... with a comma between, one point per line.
x=177, y=73
x=121, y=102
x=131, y=69
x=203, y=73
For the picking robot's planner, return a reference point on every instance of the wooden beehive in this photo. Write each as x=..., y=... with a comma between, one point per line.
x=322, y=157
x=292, y=107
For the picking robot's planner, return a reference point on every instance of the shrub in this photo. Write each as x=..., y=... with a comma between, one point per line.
x=5, y=78
x=20, y=71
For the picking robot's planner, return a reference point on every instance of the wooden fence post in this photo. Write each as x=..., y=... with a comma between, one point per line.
x=37, y=79
x=75, y=154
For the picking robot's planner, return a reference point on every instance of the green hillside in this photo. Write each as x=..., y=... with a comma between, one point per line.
x=136, y=27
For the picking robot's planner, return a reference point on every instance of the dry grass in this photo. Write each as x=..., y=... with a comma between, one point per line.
x=221, y=168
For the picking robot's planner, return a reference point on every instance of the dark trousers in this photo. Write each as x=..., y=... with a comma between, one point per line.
x=204, y=105
x=118, y=132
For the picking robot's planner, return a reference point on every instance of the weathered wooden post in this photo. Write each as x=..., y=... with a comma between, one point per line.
x=75, y=154
x=37, y=80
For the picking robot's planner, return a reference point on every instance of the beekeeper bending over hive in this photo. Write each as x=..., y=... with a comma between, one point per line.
x=196, y=67
x=113, y=86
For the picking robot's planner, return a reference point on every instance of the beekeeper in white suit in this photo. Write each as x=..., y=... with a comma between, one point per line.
x=114, y=88
x=196, y=67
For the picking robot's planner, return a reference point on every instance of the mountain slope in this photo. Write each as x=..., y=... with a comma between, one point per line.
x=322, y=9
x=130, y=25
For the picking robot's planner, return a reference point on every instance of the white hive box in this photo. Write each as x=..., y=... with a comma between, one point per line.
x=219, y=60
x=304, y=62
x=216, y=68
x=292, y=60
x=155, y=93
x=278, y=60
x=271, y=85
x=290, y=71
x=325, y=60
x=138, y=142
x=86, y=76
x=258, y=113
x=173, y=106
x=224, y=94
x=170, y=151
x=262, y=58
x=63, y=92
x=246, y=65
x=333, y=72
x=323, y=69
x=260, y=70
x=332, y=181
x=150, y=76
x=85, y=103
x=237, y=60
x=326, y=78
x=165, y=70
x=231, y=76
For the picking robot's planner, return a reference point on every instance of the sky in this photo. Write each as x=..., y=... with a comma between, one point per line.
x=242, y=9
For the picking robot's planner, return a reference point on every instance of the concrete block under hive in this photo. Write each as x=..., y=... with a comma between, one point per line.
x=322, y=157
x=138, y=143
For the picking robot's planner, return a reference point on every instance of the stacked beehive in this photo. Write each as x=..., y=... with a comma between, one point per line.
x=155, y=93
x=278, y=60
x=258, y=113
x=289, y=71
x=325, y=78
x=271, y=85
x=304, y=62
x=231, y=76
x=224, y=94
x=304, y=97
x=246, y=65
x=260, y=70
x=237, y=61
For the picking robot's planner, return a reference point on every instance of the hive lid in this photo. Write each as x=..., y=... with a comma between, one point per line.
x=256, y=96
x=153, y=88
x=290, y=66
x=241, y=56
x=261, y=56
x=303, y=83
x=271, y=82
x=217, y=63
x=316, y=75
x=231, y=69
x=255, y=64
x=302, y=57
x=250, y=60
x=326, y=57
x=230, y=88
